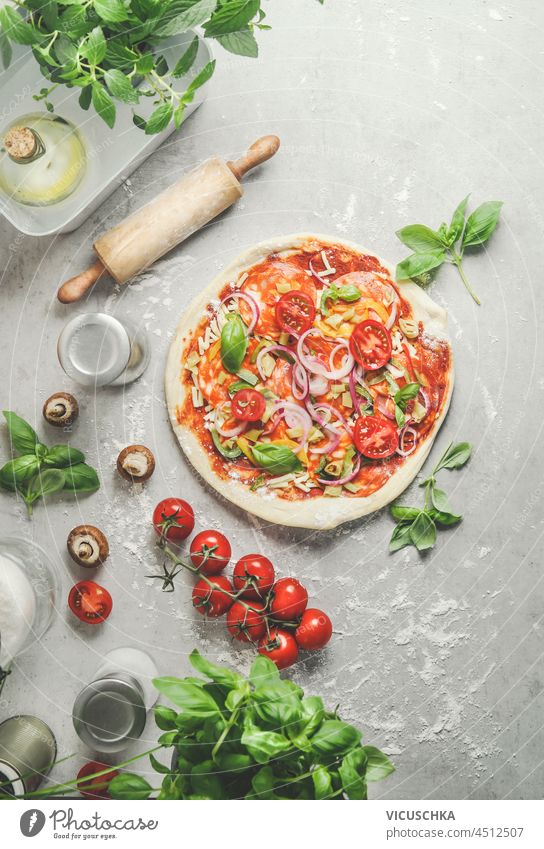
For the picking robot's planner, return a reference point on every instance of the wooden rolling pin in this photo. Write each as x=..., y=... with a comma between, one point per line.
x=189, y=204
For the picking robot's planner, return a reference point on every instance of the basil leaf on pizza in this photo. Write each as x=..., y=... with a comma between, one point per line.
x=233, y=343
x=276, y=459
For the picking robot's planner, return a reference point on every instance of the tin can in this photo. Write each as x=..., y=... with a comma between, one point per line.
x=110, y=713
x=27, y=752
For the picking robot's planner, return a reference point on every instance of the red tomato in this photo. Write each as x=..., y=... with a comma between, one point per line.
x=370, y=344
x=295, y=312
x=173, y=519
x=210, y=552
x=90, y=602
x=244, y=624
x=95, y=788
x=248, y=405
x=280, y=647
x=212, y=602
x=254, y=575
x=375, y=438
x=315, y=629
x=289, y=599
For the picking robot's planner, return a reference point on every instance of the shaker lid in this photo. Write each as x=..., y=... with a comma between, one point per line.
x=94, y=349
x=109, y=712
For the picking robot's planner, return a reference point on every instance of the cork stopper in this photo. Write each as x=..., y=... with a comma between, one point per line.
x=20, y=143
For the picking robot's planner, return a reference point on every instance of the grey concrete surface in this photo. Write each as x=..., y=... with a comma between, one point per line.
x=389, y=113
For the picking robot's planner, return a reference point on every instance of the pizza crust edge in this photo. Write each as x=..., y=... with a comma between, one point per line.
x=314, y=513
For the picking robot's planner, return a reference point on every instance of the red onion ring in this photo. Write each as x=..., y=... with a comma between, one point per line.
x=381, y=404
x=229, y=434
x=319, y=385
x=313, y=365
x=401, y=449
x=268, y=350
x=255, y=312
x=295, y=416
x=300, y=385
x=314, y=272
x=353, y=392
x=426, y=400
x=346, y=479
x=392, y=316
x=331, y=445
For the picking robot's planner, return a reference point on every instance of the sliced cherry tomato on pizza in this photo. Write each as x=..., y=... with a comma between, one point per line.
x=90, y=602
x=97, y=787
x=295, y=311
x=375, y=438
x=370, y=344
x=248, y=405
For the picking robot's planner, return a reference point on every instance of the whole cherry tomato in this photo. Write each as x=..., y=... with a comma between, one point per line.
x=212, y=602
x=95, y=788
x=173, y=519
x=210, y=552
x=280, y=647
x=295, y=312
x=375, y=438
x=248, y=405
x=244, y=624
x=370, y=344
x=289, y=599
x=254, y=575
x=90, y=602
x=314, y=630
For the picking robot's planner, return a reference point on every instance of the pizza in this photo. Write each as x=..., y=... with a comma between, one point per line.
x=306, y=385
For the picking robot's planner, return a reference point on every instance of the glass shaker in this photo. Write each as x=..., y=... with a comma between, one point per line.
x=96, y=349
x=111, y=711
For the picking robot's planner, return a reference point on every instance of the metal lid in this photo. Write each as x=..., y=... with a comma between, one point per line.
x=94, y=349
x=109, y=713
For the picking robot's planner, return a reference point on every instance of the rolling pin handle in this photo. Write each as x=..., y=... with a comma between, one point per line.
x=261, y=150
x=75, y=288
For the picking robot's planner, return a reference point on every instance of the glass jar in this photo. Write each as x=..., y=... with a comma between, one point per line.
x=96, y=349
x=111, y=711
x=29, y=588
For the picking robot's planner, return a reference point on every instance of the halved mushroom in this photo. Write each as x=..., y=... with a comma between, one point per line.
x=136, y=463
x=61, y=409
x=87, y=545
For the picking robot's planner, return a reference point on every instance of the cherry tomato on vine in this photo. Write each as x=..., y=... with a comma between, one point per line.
x=245, y=624
x=370, y=344
x=314, y=630
x=295, y=312
x=254, y=576
x=173, y=519
x=289, y=599
x=248, y=405
x=90, y=602
x=212, y=600
x=375, y=438
x=280, y=647
x=210, y=552
x=95, y=788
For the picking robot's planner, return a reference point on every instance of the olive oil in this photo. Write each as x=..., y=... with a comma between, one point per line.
x=42, y=160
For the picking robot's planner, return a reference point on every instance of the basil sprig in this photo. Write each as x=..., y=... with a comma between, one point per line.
x=41, y=470
x=234, y=343
x=448, y=243
x=348, y=293
x=275, y=459
x=401, y=398
x=418, y=526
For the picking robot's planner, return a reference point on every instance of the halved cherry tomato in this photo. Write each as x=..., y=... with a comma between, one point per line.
x=173, y=519
x=95, y=788
x=210, y=552
x=90, y=602
x=248, y=405
x=375, y=438
x=289, y=599
x=246, y=625
x=370, y=344
x=253, y=575
x=213, y=600
x=315, y=629
x=280, y=647
x=295, y=311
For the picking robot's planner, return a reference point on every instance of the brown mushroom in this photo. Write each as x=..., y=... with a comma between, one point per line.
x=136, y=463
x=61, y=409
x=88, y=546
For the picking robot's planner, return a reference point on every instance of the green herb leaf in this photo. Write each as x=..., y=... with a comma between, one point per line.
x=219, y=674
x=419, y=263
x=401, y=536
x=165, y=717
x=231, y=17
x=352, y=772
x=185, y=62
x=159, y=119
x=193, y=699
x=313, y=714
x=335, y=737
x=192, y=16
x=263, y=746
x=129, y=786
x=440, y=500
x=378, y=765
x=401, y=513
x=94, y=47
x=120, y=86
x=112, y=11
x=81, y=478
x=22, y=437
x=103, y=104
x=276, y=459
x=423, y=532
x=322, y=782
x=6, y=52
x=263, y=672
x=455, y=456
x=18, y=471
x=458, y=222
x=481, y=223
x=234, y=343
x=85, y=97
x=409, y=391
x=420, y=239
x=242, y=43
x=16, y=29
x=276, y=705
x=45, y=482
x=445, y=519
x=145, y=64
x=63, y=455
